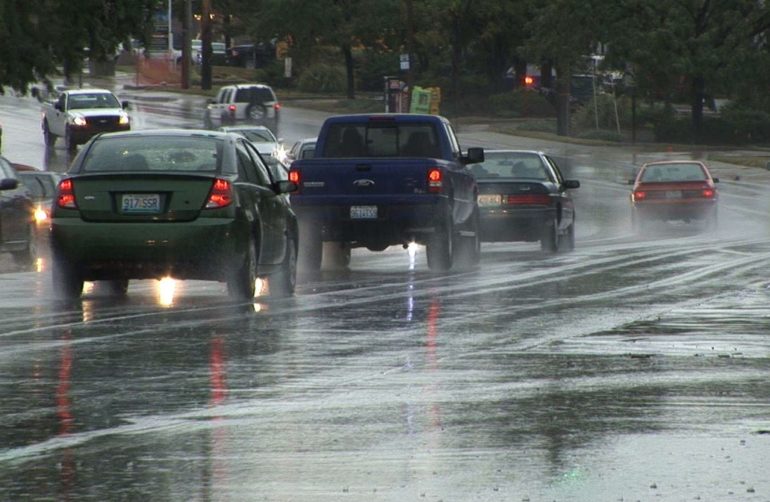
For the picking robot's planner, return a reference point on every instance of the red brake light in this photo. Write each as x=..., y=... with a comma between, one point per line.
x=435, y=179
x=277, y=106
x=66, y=197
x=294, y=176
x=221, y=194
x=709, y=193
x=528, y=198
x=231, y=109
x=528, y=81
x=639, y=195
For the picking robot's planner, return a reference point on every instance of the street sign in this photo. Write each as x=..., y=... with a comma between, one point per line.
x=404, y=59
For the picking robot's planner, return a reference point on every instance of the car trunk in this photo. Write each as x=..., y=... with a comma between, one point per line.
x=493, y=193
x=674, y=191
x=133, y=197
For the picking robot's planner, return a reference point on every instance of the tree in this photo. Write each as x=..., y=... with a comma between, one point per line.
x=40, y=39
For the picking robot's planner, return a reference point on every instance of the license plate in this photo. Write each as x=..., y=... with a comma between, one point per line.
x=674, y=194
x=140, y=203
x=363, y=212
x=489, y=200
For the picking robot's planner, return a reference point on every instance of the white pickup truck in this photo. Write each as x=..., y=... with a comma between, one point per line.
x=79, y=114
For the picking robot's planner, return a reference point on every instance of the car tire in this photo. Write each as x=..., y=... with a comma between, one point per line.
x=440, y=247
x=467, y=253
x=337, y=254
x=283, y=282
x=241, y=285
x=549, y=242
x=256, y=112
x=67, y=281
x=48, y=137
x=310, y=247
x=569, y=245
x=69, y=143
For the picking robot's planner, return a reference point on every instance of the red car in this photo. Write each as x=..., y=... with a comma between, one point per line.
x=674, y=190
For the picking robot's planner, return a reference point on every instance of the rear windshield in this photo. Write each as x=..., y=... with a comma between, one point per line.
x=148, y=153
x=254, y=95
x=256, y=135
x=95, y=100
x=680, y=171
x=511, y=165
x=382, y=139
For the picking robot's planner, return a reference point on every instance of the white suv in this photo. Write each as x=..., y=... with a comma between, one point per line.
x=243, y=104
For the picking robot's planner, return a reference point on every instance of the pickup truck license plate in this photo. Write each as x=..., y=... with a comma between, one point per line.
x=489, y=200
x=140, y=203
x=363, y=212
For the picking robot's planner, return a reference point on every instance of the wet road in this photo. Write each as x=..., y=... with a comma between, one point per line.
x=634, y=368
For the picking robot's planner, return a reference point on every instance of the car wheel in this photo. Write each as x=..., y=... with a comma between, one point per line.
x=256, y=112
x=29, y=254
x=283, y=282
x=569, y=245
x=440, y=247
x=69, y=143
x=337, y=254
x=242, y=283
x=67, y=281
x=48, y=136
x=468, y=248
x=549, y=242
x=310, y=247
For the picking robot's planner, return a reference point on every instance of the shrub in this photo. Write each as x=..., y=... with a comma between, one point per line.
x=322, y=78
x=520, y=103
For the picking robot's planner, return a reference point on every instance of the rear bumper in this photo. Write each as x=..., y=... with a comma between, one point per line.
x=204, y=249
x=82, y=134
x=395, y=223
x=681, y=210
x=519, y=224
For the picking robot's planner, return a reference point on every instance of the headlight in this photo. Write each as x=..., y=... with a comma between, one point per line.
x=123, y=119
x=79, y=120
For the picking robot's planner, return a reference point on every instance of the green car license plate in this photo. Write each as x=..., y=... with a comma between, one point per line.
x=363, y=212
x=140, y=203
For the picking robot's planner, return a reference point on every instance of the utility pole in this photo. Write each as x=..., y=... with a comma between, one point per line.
x=409, y=49
x=186, y=48
x=206, y=45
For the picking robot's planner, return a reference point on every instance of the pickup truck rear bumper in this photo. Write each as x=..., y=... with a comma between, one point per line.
x=362, y=226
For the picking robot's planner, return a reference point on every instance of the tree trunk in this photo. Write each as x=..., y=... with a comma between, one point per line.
x=351, y=82
x=206, y=45
x=698, y=96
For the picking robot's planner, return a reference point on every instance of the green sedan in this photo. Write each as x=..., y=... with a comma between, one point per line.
x=185, y=204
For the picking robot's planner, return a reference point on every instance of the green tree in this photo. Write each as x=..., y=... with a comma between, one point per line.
x=40, y=39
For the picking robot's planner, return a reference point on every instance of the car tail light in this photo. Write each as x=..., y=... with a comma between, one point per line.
x=66, y=197
x=527, y=198
x=435, y=179
x=639, y=195
x=709, y=193
x=294, y=176
x=221, y=194
x=277, y=106
x=232, y=109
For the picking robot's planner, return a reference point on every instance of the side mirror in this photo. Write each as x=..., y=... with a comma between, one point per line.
x=715, y=180
x=631, y=182
x=9, y=184
x=284, y=186
x=475, y=155
x=125, y=105
x=571, y=184
x=57, y=105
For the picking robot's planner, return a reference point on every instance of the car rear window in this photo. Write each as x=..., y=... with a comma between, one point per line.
x=523, y=165
x=160, y=154
x=254, y=95
x=680, y=171
x=382, y=139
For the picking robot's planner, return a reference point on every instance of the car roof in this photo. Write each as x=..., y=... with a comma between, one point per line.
x=167, y=132
x=500, y=150
x=25, y=168
x=244, y=128
x=677, y=162
x=88, y=90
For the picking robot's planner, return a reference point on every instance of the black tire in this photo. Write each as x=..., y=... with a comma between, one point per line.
x=337, y=254
x=310, y=247
x=283, y=282
x=467, y=253
x=569, y=244
x=440, y=247
x=48, y=136
x=69, y=143
x=67, y=281
x=256, y=112
x=549, y=242
x=241, y=285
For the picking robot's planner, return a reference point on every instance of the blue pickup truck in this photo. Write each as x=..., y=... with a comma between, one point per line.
x=388, y=179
